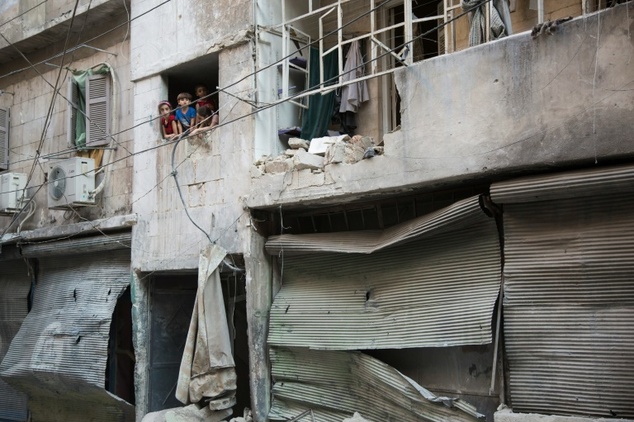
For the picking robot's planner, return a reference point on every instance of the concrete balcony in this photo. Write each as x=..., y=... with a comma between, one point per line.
x=514, y=106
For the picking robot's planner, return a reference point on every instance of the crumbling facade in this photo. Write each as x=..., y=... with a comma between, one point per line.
x=408, y=210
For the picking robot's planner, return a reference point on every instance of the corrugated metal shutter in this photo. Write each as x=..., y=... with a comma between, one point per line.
x=436, y=290
x=569, y=292
x=98, y=93
x=336, y=384
x=15, y=284
x=59, y=355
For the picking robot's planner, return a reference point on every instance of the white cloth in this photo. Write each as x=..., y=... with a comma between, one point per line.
x=207, y=367
x=356, y=93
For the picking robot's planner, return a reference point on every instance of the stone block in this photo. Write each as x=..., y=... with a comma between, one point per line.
x=278, y=166
x=305, y=160
x=297, y=143
x=336, y=153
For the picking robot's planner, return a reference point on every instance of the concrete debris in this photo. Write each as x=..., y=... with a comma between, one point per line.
x=155, y=416
x=297, y=143
x=193, y=413
x=246, y=418
x=278, y=165
x=305, y=160
x=335, y=150
x=318, y=146
x=356, y=418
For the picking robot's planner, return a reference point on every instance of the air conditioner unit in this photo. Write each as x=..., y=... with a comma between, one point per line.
x=70, y=183
x=12, y=192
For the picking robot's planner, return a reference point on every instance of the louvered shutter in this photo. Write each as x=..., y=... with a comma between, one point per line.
x=98, y=93
x=73, y=97
x=4, y=138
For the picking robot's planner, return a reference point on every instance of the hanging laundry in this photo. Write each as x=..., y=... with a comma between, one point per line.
x=356, y=93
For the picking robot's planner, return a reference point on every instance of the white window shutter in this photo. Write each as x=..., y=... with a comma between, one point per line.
x=4, y=138
x=73, y=97
x=98, y=96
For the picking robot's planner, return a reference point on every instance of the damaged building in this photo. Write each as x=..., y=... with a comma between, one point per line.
x=412, y=210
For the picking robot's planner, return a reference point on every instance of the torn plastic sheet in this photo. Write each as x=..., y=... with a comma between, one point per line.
x=336, y=384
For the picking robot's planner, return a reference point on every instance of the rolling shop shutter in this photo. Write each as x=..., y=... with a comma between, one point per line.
x=430, y=282
x=59, y=355
x=15, y=284
x=569, y=291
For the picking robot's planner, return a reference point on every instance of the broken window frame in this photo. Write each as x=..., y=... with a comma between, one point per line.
x=378, y=50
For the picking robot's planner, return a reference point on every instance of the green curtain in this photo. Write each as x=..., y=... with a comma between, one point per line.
x=79, y=78
x=316, y=119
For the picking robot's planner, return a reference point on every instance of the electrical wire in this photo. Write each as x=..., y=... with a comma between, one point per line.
x=82, y=43
x=259, y=70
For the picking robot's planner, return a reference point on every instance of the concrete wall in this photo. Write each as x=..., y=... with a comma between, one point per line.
x=182, y=30
x=29, y=105
x=510, y=106
x=212, y=171
x=35, y=18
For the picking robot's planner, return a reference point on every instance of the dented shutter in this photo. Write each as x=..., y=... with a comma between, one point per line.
x=98, y=93
x=59, y=355
x=15, y=284
x=431, y=282
x=569, y=291
x=4, y=138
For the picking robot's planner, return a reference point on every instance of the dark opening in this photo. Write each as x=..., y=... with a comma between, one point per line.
x=185, y=77
x=375, y=215
x=171, y=305
x=120, y=366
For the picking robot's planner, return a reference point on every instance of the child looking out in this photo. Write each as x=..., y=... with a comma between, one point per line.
x=169, y=127
x=205, y=119
x=203, y=98
x=185, y=115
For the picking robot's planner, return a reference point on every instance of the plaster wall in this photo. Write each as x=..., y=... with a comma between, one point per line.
x=510, y=106
x=29, y=106
x=181, y=30
x=212, y=171
x=36, y=16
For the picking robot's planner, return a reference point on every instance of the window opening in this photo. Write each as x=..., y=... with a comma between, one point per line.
x=90, y=94
x=187, y=76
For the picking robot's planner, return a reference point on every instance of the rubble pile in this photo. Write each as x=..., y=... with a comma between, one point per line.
x=320, y=152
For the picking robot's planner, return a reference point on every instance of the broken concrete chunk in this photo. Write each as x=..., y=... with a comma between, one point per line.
x=263, y=159
x=297, y=143
x=350, y=152
x=278, y=166
x=318, y=146
x=363, y=141
x=304, y=160
x=193, y=413
x=336, y=153
x=292, y=152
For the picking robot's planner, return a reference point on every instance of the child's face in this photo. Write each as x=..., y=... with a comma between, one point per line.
x=184, y=102
x=164, y=109
x=201, y=91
